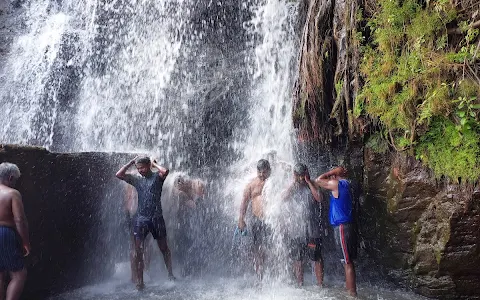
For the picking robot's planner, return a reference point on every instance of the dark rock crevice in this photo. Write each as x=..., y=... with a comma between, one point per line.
x=65, y=196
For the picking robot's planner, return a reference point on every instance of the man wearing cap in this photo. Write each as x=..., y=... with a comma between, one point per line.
x=259, y=229
x=148, y=217
x=340, y=216
x=302, y=235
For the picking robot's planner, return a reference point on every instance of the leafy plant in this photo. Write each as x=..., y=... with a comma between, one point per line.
x=414, y=87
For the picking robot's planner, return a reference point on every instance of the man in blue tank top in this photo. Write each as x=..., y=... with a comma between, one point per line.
x=148, y=218
x=340, y=216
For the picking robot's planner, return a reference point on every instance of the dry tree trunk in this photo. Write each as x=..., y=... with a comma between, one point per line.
x=346, y=71
x=329, y=57
x=310, y=103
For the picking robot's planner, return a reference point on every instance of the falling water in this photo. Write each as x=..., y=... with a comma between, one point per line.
x=204, y=85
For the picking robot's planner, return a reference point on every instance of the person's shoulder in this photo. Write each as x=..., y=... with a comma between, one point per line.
x=12, y=192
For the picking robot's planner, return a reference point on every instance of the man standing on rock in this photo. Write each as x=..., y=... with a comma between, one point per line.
x=148, y=217
x=259, y=229
x=340, y=216
x=13, y=233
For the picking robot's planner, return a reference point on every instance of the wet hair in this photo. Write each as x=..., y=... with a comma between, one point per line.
x=263, y=165
x=300, y=169
x=143, y=160
x=8, y=169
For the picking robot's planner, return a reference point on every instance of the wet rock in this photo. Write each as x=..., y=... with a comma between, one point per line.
x=66, y=197
x=423, y=230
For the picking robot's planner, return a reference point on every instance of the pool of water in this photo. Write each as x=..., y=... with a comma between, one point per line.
x=210, y=287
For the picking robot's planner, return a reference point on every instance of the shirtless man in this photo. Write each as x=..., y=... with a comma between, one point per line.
x=188, y=192
x=148, y=217
x=14, y=240
x=253, y=193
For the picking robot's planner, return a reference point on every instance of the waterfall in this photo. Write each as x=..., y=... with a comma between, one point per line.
x=205, y=86
x=94, y=75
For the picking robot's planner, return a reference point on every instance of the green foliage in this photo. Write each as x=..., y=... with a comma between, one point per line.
x=413, y=89
x=451, y=150
x=377, y=143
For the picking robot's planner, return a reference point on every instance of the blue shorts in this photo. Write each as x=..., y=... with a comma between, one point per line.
x=155, y=225
x=11, y=253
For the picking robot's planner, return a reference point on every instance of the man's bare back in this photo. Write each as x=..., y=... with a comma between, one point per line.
x=7, y=197
x=13, y=233
x=189, y=191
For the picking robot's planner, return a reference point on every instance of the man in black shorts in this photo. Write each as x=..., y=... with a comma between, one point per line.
x=301, y=232
x=148, y=217
x=253, y=193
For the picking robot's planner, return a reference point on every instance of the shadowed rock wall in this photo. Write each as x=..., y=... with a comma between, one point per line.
x=424, y=231
x=65, y=198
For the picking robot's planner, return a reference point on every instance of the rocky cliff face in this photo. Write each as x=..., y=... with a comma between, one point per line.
x=65, y=196
x=424, y=231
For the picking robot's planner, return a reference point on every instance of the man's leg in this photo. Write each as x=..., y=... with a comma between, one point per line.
x=344, y=237
x=2, y=285
x=138, y=257
x=350, y=279
x=296, y=255
x=167, y=256
x=133, y=262
x=159, y=233
x=318, y=268
x=258, y=257
x=15, y=287
x=140, y=231
x=314, y=248
x=147, y=253
x=298, y=270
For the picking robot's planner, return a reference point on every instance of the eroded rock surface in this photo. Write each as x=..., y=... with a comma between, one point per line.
x=65, y=197
x=424, y=231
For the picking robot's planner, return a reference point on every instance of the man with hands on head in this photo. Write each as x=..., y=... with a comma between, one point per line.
x=304, y=239
x=340, y=216
x=148, y=217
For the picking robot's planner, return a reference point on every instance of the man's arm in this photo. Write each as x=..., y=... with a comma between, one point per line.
x=121, y=174
x=329, y=184
x=338, y=171
x=161, y=170
x=286, y=194
x=243, y=206
x=20, y=219
x=316, y=195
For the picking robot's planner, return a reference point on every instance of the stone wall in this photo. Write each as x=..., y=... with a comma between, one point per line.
x=423, y=231
x=70, y=200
